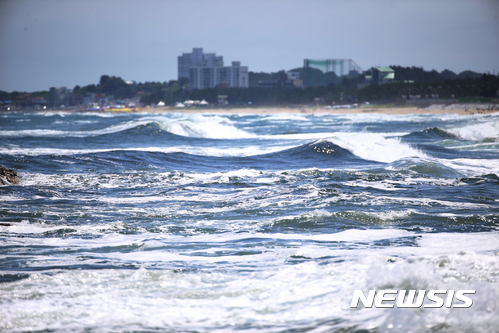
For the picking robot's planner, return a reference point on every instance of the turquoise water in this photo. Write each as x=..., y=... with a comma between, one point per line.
x=249, y=223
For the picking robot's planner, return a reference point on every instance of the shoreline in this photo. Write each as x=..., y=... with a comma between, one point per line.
x=388, y=111
x=457, y=109
x=464, y=110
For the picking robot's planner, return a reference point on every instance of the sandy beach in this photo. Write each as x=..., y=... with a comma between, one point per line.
x=460, y=109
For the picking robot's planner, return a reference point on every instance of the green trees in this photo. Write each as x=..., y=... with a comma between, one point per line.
x=4, y=96
x=149, y=92
x=326, y=88
x=418, y=74
x=168, y=92
x=347, y=93
x=116, y=86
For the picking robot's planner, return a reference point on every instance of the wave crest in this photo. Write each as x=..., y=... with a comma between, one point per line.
x=478, y=132
x=375, y=147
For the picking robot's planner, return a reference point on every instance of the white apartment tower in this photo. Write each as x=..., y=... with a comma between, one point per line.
x=207, y=70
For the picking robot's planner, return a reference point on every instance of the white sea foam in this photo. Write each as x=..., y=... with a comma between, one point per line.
x=473, y=167
x=287, y=117
x=375, y=147
x=84, y=113
x=9, y=198
x=203, y=126
x=431, y=244
x=391, y=215
x=425, y=202
x=305, y=294
x=227, y=251
x=382, y=185
x=459, y=167
x=250, y=150
x=416, y=181
x=478, y=131
x=60, y=133
x=195, y=125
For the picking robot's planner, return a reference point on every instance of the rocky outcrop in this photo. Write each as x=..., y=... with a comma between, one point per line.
x=8, y=176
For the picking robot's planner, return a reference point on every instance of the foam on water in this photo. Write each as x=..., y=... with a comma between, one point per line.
x=80, y=134
x=250, y=150
x=264, y=190
x=375, y=147
x=473, y=167
x=261, y=245
x=477, y=132
x=196, y=125
x=287, y=117
x=267, y=296
x=63, y=114
x=458, y=167
x=383, y=200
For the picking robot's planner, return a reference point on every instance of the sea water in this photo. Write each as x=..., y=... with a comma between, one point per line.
x=180, y=222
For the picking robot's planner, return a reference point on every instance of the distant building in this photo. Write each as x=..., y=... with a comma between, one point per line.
x=332, y=70
x=293, y=75
x=207, y=70
x=378, y=75
x=58, y=97
x=223, y=76
x=89, y=98
x=295, y=78
x=39, y=101
x=62, y=97
x=382, y=75
x=197, y=59
x=285, y=80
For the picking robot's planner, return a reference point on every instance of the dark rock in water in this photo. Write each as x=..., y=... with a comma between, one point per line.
x=8, y=176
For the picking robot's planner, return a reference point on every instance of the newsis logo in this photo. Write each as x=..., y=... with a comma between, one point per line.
x=408, y=298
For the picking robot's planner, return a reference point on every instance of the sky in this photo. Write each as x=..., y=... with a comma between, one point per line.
x=64, y=43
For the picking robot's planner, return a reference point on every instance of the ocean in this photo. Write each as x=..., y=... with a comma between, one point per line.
x=174, y=222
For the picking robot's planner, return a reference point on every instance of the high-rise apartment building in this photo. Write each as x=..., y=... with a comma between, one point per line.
x=207, y=70
x=197, y=59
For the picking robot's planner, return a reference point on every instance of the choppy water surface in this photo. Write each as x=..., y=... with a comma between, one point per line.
x=249, y=223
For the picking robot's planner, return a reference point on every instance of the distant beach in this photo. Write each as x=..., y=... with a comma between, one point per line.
x=461, y=109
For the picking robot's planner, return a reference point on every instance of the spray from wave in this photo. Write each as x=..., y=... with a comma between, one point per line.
x=478, y=132
x=375, y=147
x=200, y=126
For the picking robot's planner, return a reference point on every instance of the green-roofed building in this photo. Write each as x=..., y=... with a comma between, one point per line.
x=324, y=72
x=382, y=75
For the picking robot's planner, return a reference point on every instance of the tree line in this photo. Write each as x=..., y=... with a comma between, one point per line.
x=486, y=86
x=329, y=88
x=326, y=88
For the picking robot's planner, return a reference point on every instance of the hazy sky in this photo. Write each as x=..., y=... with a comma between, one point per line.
x=54, y=43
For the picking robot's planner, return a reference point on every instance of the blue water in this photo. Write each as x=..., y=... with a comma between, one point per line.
x=251, y=223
